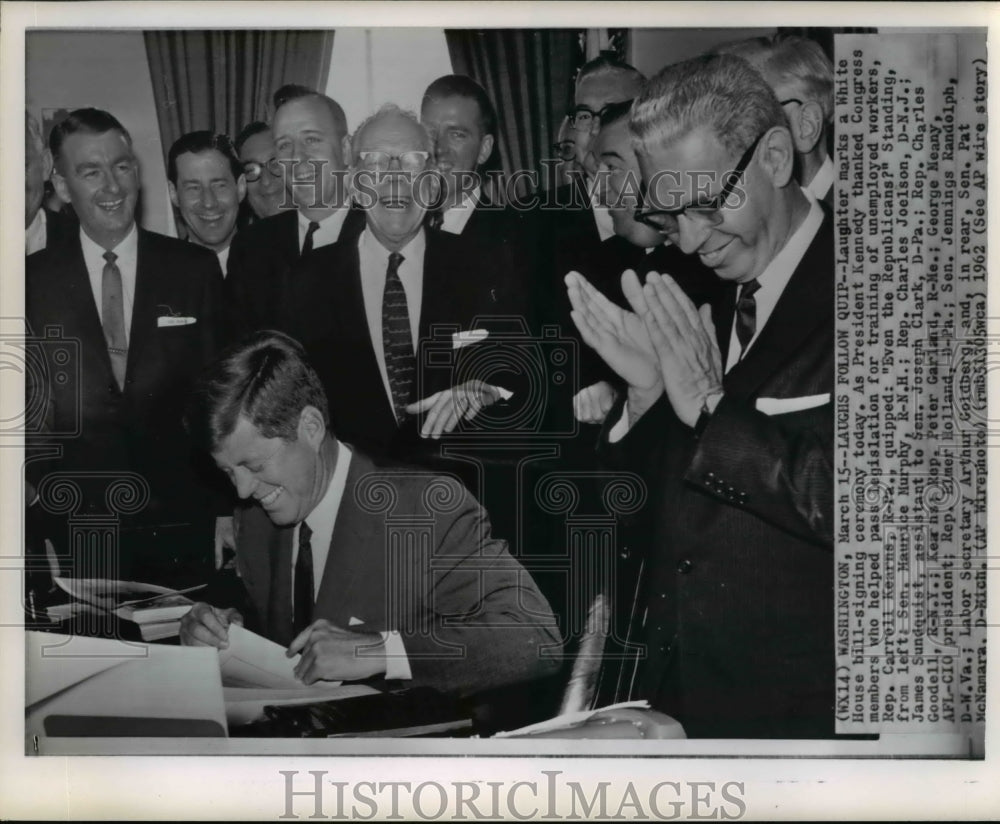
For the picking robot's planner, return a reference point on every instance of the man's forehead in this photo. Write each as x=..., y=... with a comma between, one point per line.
x=615, y=138
x=91, y=142
x=597, y=91
x=304, y=113
x=208, y=159
x=450, y=107
x=260, y=145
x=392, y=132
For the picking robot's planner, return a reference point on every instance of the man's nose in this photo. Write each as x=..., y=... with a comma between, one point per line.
x=692, y=233
x=111, y=183
x=208, y=197
x=244, y=482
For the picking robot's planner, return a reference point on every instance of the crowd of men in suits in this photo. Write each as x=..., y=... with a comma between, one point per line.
x=359, y=276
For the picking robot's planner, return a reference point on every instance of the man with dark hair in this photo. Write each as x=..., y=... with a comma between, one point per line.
x=261, y=170
x=206, y=184
x=364, y=309
x=144, y=311
x=324, y=570
x=460, y=117
x=801, y=75
x=42, y=227
x=308, y=130
x=728, y=411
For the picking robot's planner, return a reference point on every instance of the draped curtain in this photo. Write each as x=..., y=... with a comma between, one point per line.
x=223, y=80
x=528, y=74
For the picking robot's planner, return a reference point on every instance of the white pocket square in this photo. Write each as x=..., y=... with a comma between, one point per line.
x=782, y=406
x=460, y=339
x=353, y=622
x=174, y=320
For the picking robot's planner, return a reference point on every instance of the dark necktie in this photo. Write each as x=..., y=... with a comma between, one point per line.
x=307, y=243
x=746, y=314
x=113, y=317
x=435, y=218
x=397, y=340
x=302, y=607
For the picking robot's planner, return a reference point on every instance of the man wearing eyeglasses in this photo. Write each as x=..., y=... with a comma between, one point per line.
x=261, y=170
x=364, y=309
x=801, y=75
x=308, y=128
x=728, y=411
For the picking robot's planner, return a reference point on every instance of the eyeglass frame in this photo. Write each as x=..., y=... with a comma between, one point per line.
x=599, y=115
x=424, y=155
x=273, y=166
x=567, y=153
x=707, y=211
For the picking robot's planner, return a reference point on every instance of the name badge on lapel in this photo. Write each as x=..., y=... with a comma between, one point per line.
x=462, y=339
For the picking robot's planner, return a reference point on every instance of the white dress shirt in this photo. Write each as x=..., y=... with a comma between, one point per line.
x=822, y=181
x=223, y=257
x=775, y=277
x=602, y=215
x=128, y=258
x=328, y=231
x=321, y=521
x=455, y=218
x=374, y=259
x=36, y=234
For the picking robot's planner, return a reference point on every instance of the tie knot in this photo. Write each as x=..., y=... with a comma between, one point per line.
x=110, y=257
x=305, y=534
x=313, y=226
x=395, y=258
x=749, y=288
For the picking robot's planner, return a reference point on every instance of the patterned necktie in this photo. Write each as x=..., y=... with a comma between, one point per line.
x=397, y=340
x=307, y=243
x=113, y=317
x=302, y=606
x=746, y=315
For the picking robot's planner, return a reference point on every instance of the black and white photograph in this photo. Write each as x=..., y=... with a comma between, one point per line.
x=566, y=411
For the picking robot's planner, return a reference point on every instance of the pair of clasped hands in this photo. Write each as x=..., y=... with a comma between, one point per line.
x=664, y=344
x=329, y=653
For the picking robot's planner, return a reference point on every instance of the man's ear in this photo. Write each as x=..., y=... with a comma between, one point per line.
x=46, y=164
x=241, y=187
x=312, y=427
x=59, y=184
x=807, y=126
x=485, y=148
x=777, y=155
x=173, y=193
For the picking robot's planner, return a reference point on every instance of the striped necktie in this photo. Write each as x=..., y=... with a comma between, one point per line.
x=113, y=317
x=397, y=339
x=746, y=314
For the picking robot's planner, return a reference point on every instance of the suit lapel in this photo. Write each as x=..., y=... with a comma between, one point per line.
x=805, y=304
x=144, y=305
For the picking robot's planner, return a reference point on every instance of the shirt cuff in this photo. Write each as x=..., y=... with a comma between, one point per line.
x=397, y=665
x=620, y=429
x=505, y=394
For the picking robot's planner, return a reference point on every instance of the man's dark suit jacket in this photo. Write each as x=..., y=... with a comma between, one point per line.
x=59, y=227
x=325, y=310
x=137, y=429
x=470, y=617
x=739, y=629
x=260, y=261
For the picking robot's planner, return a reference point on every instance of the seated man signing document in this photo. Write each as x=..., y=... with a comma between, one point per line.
x=365, y=571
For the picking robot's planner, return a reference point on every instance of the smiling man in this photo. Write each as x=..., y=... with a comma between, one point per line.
x=261, y=169
x=728, y=411
x=144, y=311
x=364, y=309
x=207, y=186
x=308, y=130
x=323, y=571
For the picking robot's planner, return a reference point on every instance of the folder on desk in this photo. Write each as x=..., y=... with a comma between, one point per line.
x=96, y=687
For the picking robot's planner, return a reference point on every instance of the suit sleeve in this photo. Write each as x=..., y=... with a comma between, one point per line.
x=485, y=622
x=780, y=467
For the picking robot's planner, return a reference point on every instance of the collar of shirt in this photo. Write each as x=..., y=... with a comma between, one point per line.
x=602, y=216
x=328, y=231
x=374, y=260
x=128, y=258
x=36, y=233
x=322, y=520
x=776, y=275
x=223, y=257
x=455, y=218
x=822, y=180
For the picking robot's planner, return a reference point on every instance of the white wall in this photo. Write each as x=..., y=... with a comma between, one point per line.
x=652, y=49
x=107, y=70
x=370, y=67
